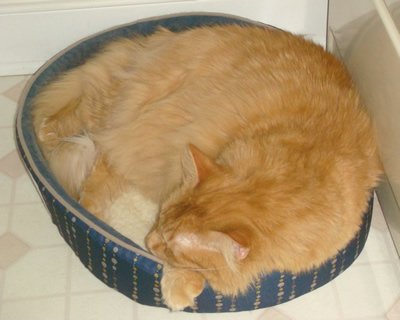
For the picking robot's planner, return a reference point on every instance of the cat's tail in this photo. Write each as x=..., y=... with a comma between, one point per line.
x=71, y=162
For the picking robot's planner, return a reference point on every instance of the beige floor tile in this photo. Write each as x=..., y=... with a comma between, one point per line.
x=387, y=279
x=4, y=218
x=6, y=188
x=317, y=305
x=25, y=191
x=13, y=92
x=146, y=312
x=32, y=223
x=379, y=246
x=82, y=280
x=363, y=258
x=6, y=83
x=394, y=311
x=359, y=293
x=12, y=249
x=11, y=165
x=35, y=309
x=7, y=111
x=41, y=272
x=6, y=142
x=101, y=306
x=272, y=313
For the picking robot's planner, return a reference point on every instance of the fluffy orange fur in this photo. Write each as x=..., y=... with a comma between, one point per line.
x=253, y=141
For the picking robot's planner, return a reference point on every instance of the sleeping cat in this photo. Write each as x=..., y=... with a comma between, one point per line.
x=252, y=141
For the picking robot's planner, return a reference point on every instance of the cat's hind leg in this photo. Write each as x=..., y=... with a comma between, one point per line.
x=55, y=113
x=60, y=126
x=81, y=98
x=65, y=114
x=100, y=189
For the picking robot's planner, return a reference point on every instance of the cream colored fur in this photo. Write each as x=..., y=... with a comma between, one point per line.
x=133, y=215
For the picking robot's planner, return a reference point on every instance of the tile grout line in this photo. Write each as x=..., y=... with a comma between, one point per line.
x=23, y=203
x=55, y=295
x=380, y=262
x=394, y=266
x=9, y=214
x=134, y=311
x=49, y=246
x=7, y=127
x=339, y=306
x=374, y=281
x=391, y=248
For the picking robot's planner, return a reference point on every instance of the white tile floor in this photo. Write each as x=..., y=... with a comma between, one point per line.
x=40, y=278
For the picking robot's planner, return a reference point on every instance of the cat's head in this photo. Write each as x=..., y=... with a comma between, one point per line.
x=200, y=226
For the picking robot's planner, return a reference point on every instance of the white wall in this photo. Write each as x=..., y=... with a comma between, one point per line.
x=33, y=31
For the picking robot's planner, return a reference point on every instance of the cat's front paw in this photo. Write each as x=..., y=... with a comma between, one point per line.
x=180, y=287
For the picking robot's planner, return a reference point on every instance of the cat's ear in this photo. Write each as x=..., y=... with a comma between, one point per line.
x=240, y=244
x=231, y=245
x=197, y=166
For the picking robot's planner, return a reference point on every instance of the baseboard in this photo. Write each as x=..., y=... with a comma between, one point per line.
x=21, y=6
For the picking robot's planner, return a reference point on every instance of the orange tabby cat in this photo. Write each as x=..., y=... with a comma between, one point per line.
x=253, y=142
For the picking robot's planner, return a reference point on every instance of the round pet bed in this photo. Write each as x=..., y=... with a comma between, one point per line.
x=116, y=260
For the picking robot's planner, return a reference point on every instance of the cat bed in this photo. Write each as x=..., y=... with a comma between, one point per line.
x=118, y=261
